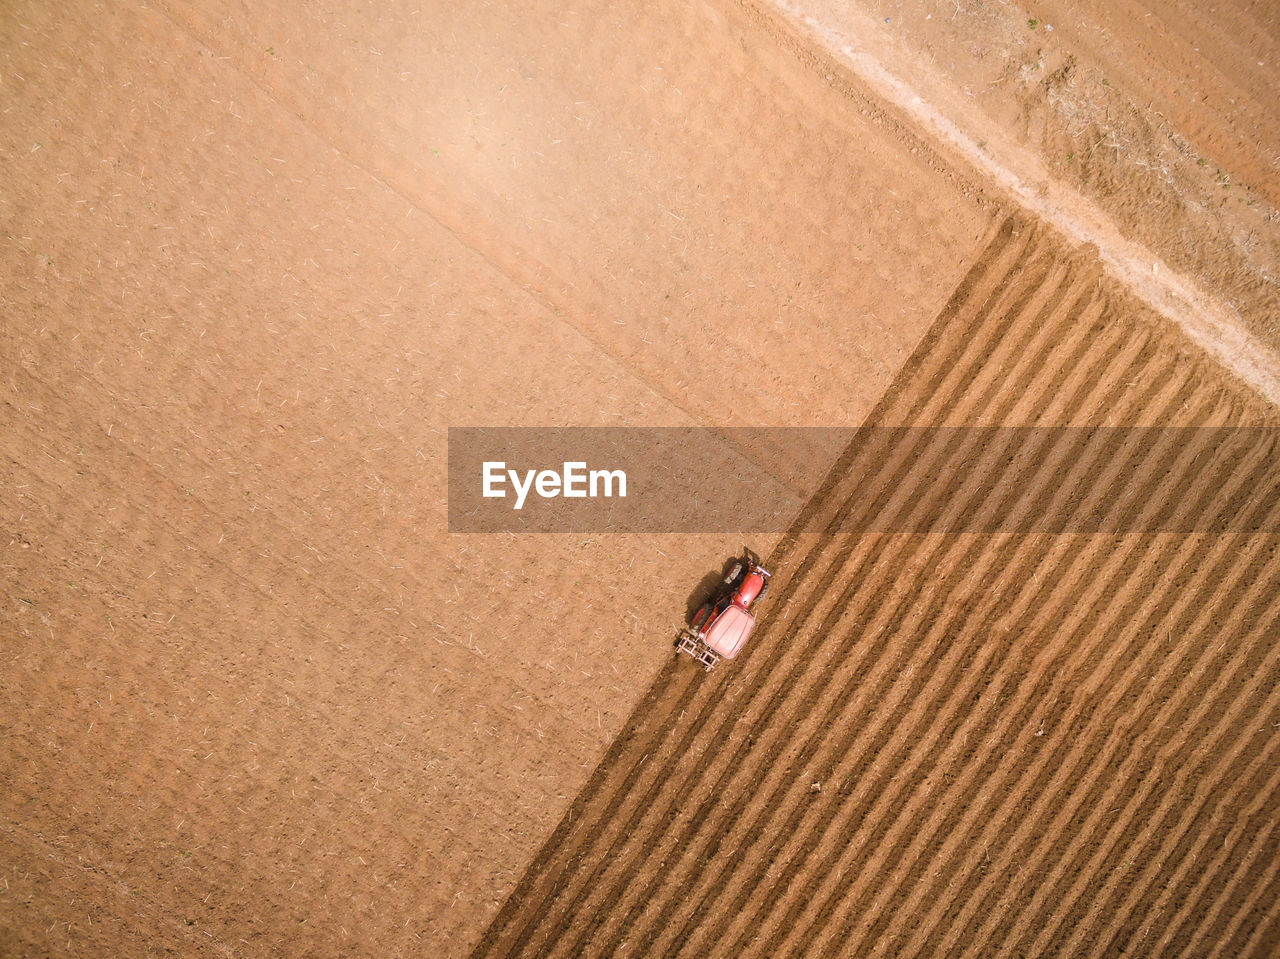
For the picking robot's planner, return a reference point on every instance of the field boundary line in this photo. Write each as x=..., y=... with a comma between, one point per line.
x=858, y=44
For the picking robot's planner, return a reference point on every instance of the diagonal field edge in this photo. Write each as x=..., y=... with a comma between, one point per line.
x=623, y=750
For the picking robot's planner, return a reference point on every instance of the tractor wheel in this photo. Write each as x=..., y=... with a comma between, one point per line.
x=700, y=617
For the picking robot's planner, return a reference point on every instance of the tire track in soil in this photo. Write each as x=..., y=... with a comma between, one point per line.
x=907, y=675
x=730, y=909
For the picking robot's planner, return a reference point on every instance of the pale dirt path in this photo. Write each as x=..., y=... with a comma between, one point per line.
x=934, y=104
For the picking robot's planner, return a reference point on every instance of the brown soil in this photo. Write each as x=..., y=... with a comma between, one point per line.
x=256, y=701
x=1165, y=113
x=965, y=745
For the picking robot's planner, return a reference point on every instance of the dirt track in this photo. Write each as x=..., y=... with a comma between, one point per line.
x=944, y=745
x=254, y=700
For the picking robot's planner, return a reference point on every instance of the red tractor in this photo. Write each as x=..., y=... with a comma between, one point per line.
x=720, y=627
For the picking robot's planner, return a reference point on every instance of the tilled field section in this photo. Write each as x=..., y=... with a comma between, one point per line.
x=1000, y=745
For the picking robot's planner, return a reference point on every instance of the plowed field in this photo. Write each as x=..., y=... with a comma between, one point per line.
x=257, y=259
x=956, y=744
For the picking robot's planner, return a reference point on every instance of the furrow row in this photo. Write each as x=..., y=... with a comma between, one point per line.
x=958, y=743
x=721, y=802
